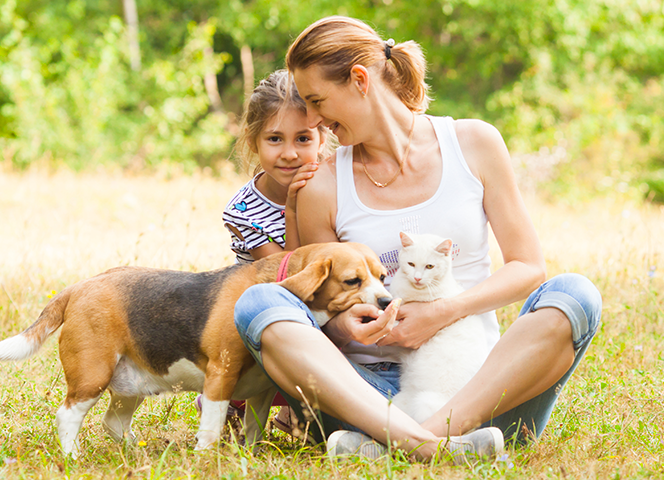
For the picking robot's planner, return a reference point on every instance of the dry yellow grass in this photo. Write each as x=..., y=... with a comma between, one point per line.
x=58, y=228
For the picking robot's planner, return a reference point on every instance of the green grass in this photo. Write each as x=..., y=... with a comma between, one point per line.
x=60, y=228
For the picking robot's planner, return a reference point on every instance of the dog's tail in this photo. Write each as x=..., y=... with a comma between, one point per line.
x=28, y=342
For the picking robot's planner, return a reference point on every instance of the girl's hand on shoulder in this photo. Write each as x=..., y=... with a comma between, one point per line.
x=418, y=322
x=362, y=323
x=304, y=173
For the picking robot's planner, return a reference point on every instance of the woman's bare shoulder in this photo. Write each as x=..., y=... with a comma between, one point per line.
x=482, y=146
x=477, y=134
x=324, y=182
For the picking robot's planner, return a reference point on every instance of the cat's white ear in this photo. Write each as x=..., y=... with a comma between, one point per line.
x=445, y=247
x=406, y=241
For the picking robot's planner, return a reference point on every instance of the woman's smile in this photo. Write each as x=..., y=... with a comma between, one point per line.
x=327, y=101
x=333, y=127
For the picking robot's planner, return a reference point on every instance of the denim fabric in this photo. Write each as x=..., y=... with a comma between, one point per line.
x=388, y=371
x=573, y=294
x=263, y=304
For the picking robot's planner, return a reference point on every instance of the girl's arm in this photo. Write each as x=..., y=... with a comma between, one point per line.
x=256, y=253
x=524, y=267
x=265, y=250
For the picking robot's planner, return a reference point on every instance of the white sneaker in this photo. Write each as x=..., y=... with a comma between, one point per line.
x=344, y=443
x=483, y=444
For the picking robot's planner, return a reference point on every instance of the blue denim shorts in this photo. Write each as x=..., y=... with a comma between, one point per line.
x=573, y=294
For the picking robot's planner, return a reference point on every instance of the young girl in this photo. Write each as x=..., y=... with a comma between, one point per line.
x=284, y=152
x=276, y=134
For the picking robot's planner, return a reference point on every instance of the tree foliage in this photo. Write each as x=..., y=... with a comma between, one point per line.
x=68, y=93
x=582, y=75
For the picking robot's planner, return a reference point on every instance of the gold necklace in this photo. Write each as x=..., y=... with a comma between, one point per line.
x=405, y=156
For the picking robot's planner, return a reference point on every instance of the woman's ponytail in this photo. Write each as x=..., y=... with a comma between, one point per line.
x=405, y=72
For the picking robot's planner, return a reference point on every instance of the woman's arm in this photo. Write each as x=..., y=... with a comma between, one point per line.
x=524, y=269
x=317, y=206
x=316, y=216
x=303, y=175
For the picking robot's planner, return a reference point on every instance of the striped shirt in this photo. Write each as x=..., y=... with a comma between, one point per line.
x=257, y=219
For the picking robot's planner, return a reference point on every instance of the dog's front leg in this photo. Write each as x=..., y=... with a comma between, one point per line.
x=221, y=377
x=257, y=411
x=213, y=418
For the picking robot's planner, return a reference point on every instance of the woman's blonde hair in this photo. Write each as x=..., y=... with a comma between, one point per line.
x=337, y=43
x=272, y=96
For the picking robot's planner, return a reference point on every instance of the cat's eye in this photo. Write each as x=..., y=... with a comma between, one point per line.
x=429, y=267
x=353, y=281
x=411, y=264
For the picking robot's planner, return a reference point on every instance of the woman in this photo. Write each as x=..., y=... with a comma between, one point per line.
x=396, y=171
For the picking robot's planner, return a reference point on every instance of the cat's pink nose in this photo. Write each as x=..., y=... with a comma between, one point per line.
x=417, y=279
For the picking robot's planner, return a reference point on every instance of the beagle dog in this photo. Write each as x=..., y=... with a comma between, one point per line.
x=141, y=331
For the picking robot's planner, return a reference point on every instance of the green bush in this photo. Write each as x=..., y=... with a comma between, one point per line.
x=82, y=105
x=581, y=76
x=654, y=183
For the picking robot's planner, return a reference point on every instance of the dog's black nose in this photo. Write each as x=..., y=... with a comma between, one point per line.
x=383, y=302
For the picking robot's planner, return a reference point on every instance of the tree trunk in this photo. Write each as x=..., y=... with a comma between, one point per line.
x=247, y=71
x=131, y=19
x=211, y=86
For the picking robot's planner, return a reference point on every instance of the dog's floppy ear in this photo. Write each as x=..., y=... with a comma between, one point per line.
x=305, y=283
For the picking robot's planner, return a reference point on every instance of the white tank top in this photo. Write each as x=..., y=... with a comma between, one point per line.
x=455, y=211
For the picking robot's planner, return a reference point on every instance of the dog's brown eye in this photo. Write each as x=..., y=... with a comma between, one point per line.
x=353, y=281
x=429, y=267
x=382, y=278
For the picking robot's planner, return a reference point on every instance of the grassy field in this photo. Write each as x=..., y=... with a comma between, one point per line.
x=56, y=229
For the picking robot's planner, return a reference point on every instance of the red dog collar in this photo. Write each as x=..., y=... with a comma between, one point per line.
x=283, y=267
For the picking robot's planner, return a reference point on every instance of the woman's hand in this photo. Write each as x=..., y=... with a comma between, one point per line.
x=362, y=323
x=418, y=322
x=305, y=173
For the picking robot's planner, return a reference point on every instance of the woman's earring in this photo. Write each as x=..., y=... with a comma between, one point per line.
x=362, y=92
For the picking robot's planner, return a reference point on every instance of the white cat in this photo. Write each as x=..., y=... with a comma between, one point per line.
x=432, y=374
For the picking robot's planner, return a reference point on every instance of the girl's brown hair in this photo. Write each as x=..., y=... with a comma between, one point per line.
x=337, y=43
x=271, y=97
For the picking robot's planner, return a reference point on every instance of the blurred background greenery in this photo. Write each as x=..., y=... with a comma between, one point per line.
x=575, y=86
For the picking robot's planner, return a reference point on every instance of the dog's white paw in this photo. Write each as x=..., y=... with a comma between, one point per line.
x=117, y=434
x=71, y=449
x=205, y=440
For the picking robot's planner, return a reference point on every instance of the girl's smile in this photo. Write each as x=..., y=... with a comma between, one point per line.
x=285, y=144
